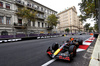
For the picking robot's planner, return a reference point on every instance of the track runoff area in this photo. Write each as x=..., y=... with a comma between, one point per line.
x=83, y=47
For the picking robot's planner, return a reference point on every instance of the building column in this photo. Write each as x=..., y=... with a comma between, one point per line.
x=40, y=24
x=36, y=23
x=4, y=5
x=4, y=19
x=12, y=20
x=31, y=23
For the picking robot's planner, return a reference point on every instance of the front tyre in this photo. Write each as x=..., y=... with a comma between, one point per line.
x=55, y=46
x=72, y=50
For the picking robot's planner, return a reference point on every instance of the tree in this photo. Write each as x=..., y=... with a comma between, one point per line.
x=52, y=21
x=67, y=30
x=88, y=9
x=96, y=27
x=86, y=26
x=90, y=29
x=27, y=14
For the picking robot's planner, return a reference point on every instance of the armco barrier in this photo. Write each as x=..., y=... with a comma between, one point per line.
x=96, y=35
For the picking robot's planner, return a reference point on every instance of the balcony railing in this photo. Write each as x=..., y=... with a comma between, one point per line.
x=20, y=26
x=40, y=17
x=5, y=25
x=35, y=8
x=19, y=2
x=40, y=10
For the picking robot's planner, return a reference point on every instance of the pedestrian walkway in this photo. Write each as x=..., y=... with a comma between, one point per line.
x=95, y=58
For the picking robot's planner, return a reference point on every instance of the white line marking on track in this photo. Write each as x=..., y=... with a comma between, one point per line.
x=90, y=40
x=49, y=62
x=85, y=43
x=78, y=50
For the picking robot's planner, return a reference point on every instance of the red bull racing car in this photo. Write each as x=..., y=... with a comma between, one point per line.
x=66, y=51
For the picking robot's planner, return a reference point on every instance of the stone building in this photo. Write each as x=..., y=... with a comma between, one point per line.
x=68, y=19
x=12, y=24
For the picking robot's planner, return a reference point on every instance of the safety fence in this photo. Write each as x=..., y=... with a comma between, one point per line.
x=24, y=35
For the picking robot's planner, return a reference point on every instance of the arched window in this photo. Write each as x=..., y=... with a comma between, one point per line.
x=4, y=33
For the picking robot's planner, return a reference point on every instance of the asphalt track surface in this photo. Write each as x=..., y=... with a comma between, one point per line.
x=33, y=53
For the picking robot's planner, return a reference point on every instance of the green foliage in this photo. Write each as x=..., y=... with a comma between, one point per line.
x=86, y=26
x=88, y=9
x=27, y=14
x=96, y=27
x=67, y=30
x=90, y=29
x=52, y=21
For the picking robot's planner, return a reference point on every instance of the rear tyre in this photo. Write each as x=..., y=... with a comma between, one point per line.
x=80, y=42
x=72, y=50
x=68, y=40
x=55, y=46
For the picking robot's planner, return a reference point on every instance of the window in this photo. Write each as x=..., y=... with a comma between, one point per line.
x=34, y=24
x=41, y=9
x=38, y=24
x=8, y=20
x=38, y=14
x=7, y=6
x=45, y=24
x=20, y=22
x=19, y=1
x=48, y=11
x=1, y=4
x=42, y=25
x=32, y=5
x=37, y=7
x=28, y=4
x=1, y=19
x=45, y=10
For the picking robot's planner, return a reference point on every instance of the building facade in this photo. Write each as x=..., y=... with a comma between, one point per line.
x=69, y=19
x=80, y=25
x=6, y=16
x=12, y=24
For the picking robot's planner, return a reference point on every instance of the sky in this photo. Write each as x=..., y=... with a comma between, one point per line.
x=61, y=5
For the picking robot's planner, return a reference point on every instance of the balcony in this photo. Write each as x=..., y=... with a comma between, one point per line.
x=19, y=2
x=40, y=18
x=49, y=28
x=20, y=26
x=5, y=25
x=35, y=8
x=40, y=11
x=30, y=6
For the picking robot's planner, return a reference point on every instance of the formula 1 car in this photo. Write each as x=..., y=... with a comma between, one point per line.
x=66, y=51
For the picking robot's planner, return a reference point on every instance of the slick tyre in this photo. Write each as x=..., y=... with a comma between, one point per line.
x=55, y=46
x=68, y=40
x=80, y=42
x=72, y=49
